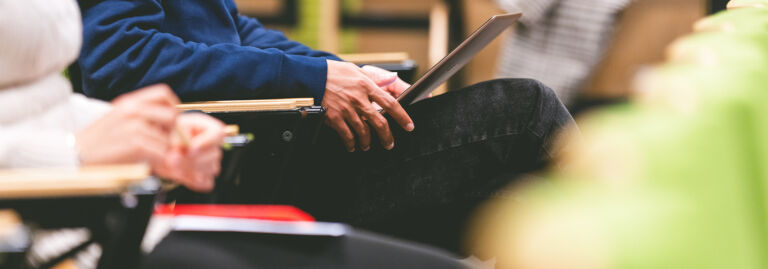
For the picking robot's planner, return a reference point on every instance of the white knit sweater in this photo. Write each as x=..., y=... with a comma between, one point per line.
x=39, y=114
x=558, y=42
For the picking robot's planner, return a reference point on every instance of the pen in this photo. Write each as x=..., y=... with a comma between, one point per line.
x=182, y=137
x=229, y=130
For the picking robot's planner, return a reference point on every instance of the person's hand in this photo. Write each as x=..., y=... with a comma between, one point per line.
x=194, y=163
x=348, y=99
x=136, y=130
x=388, y=81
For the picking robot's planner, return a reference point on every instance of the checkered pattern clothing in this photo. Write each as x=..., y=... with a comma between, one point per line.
x=558, y=42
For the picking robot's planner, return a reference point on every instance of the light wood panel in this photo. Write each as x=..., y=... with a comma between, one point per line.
x=248, y=105
x=438, y=38
x=375, y=58
x=414, y=42
x=329, y=26
x=84, y=181
x=483, y=66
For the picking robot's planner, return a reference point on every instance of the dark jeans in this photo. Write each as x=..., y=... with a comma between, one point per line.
x=191, y=250
x=468, y=145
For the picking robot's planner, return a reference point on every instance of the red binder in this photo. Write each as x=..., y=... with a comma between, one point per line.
x=256, y=212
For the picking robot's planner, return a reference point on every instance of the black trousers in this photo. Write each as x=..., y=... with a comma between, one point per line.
x=468, y=145
x=189, y=250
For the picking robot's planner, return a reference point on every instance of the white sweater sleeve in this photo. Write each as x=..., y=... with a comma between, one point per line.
x=40, y=115
x=26, y=148
x=39, y=142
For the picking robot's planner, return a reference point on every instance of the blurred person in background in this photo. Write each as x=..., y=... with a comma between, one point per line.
x=454, y=150
x=558, y=42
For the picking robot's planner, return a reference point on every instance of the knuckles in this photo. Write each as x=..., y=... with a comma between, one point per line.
x=361, y=82
x=388, y=102
x=333, y=116
x=358, y=102
x=349, y=137
x=382, y=125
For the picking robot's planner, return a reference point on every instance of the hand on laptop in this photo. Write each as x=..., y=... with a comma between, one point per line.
x=388, y=81
x=349, y=94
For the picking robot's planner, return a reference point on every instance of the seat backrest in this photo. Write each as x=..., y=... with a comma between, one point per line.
x=644, y=31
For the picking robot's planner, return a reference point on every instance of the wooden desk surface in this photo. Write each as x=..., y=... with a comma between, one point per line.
x=248, y=105
x=84, y=181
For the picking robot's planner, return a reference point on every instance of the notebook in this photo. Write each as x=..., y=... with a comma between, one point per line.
x=263, y=219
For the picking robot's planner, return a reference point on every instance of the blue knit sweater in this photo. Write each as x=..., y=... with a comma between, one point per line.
x=202, y=48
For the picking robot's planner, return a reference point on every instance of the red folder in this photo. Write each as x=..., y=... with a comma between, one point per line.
x=257, y=212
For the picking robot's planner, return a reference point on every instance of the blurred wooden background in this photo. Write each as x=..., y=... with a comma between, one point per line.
x=364, y=26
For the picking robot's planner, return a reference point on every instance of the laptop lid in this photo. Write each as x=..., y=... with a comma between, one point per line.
x=458, y=58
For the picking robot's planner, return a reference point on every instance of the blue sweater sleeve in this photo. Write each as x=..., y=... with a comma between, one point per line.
x=124, y=50
x=252, y=33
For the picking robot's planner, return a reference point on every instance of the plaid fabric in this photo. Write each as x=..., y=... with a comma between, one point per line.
x=558, y=42
x=49, y=244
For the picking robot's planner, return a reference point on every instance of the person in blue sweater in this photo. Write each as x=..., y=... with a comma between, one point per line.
x=469, y=143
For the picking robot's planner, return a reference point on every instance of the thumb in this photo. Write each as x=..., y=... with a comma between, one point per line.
x=381, y=77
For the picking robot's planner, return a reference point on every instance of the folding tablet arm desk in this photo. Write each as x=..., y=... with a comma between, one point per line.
x=113, y=202
x=253, y=173
x=280, y=128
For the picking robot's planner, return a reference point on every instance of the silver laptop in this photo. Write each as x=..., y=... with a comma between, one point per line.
x=448, y=66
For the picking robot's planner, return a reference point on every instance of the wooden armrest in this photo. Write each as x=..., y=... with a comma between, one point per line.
x=375, y=58
x=248, y=105
x=84, y=181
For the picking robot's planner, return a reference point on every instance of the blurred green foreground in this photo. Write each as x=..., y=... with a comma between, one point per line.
x=678, y=178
